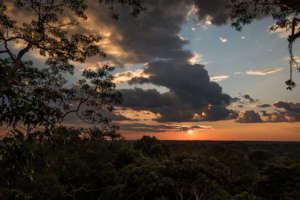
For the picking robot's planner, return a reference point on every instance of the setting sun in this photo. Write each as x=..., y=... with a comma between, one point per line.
x=190, y=131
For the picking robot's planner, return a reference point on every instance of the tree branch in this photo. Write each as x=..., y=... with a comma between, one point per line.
x=3, y=51
x=77, y=109
x=18, y=62
x=11, y=55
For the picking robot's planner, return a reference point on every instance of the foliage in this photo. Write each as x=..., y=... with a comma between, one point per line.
x=42, y=95
x=73, y=163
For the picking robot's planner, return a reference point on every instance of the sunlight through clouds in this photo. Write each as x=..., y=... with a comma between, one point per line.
x=218, y=78
x=263, y=72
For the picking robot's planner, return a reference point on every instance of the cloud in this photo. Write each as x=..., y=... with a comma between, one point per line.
x=223, y=40
x=263, y=106
x=138, y=115
x=273, y=117
x=263, y=72
x=218, y=11
x=248, y=116
x=219, y=78
x=290, y=110
x=250, y=99
x=283, y=33
x=154, y=38
x=181, y=102
x=206, y=23
x=284, y=112
x=195, y=128
x=297, y=59
x=244, y=99
x=128, y=75
x=138, y=127
x=197, y=58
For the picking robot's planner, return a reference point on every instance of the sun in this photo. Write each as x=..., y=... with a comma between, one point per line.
x=190, y=131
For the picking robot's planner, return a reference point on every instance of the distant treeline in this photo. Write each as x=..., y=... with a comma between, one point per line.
x=68, y=164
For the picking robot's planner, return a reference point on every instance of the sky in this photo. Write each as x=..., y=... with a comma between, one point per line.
x=186, y=74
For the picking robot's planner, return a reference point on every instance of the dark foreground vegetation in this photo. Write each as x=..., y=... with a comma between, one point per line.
x=66, y=164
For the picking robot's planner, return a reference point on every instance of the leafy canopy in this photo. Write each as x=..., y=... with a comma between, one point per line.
x=39, y=95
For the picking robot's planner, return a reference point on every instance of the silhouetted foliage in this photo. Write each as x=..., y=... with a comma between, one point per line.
x=39, y=95
x=81, y=164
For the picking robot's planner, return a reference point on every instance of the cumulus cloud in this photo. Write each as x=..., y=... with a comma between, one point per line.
x=273, y=116
x=263, y=72
x=283, y=112
x=290, y=110
x=153, y=37
x=248, y=116
x=181, y=102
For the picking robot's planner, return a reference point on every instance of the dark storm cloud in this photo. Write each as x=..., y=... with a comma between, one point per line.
x=154, y=33
x=190, y=92
x=218, y=10
x=189, y=83
x=140, y=99
x=153, y=37
x=248, y=116
x=264, y=106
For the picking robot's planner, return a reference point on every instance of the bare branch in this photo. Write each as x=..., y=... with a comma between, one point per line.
x=11, y=55
x=77, y=109
x=3, y=51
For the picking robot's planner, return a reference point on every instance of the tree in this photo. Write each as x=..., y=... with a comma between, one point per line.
x=40, y=95
x=284, y=12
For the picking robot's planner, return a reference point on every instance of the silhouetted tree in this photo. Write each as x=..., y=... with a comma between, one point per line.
x=40, y=95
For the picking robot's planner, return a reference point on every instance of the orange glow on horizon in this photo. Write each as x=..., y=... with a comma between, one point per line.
x=230, y=131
